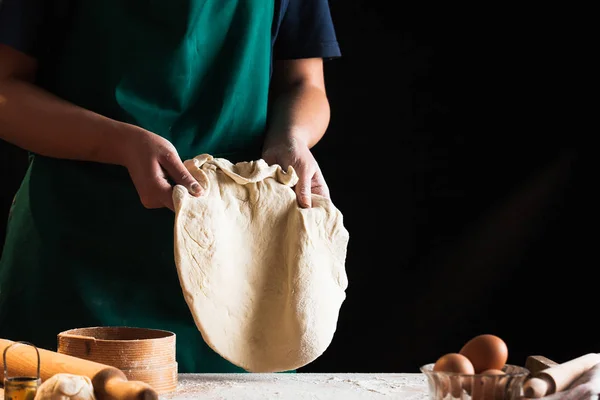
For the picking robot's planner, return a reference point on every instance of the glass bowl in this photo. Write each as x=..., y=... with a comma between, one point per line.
x=454, y=386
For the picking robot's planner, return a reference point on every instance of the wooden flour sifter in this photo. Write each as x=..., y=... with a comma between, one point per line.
x=30, y=368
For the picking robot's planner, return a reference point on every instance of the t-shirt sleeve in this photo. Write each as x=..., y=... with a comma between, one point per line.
x=306, y=31
x=20, y=23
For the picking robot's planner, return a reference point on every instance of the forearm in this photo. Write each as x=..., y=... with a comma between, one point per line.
x=39, y=122
x=301, y=113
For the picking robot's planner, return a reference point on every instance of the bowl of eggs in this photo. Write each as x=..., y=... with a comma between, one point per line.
x=478, y=371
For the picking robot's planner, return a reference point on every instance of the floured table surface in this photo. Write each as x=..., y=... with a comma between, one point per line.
x=299, y=386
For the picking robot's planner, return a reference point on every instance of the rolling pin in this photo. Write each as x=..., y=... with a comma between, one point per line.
x=559, y=377
x=109, y=382
x=535, y=364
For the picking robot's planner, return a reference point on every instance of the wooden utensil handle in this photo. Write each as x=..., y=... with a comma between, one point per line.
x=109, y=383
x=536, y=364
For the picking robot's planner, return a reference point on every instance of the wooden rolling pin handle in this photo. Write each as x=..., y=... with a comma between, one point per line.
x=536, y=388
x=536, y=364
x=113, y=384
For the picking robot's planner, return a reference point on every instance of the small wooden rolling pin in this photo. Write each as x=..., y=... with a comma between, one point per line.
x=536, y=364
x=109, y=383
x=558, y=377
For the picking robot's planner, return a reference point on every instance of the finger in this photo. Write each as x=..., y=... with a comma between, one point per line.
x=269, y=157
x=168, y=199
x=155, y=191
x=172, y=164
x=303, y=188
x=319, y=186
x=163, y=189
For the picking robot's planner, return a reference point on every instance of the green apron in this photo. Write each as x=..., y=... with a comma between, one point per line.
x=81, y=250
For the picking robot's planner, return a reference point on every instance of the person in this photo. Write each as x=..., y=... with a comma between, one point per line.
x=109, y=98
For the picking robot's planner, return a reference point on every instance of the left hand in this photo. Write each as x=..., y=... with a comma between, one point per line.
x=291, y=151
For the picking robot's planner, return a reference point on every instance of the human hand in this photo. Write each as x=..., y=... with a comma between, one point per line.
x=291, y=151
x=151, y=161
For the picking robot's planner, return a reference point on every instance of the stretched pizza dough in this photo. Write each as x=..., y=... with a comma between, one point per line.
x=264, y=279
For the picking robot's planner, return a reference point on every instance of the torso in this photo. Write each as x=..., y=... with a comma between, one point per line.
x=81, y=249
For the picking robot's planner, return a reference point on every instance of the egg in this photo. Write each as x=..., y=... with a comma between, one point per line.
x=493, y=372
x=485, y=352
x=489, y=385
x=454, y=362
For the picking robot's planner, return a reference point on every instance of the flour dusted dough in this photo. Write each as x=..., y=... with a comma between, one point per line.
x=66, y=387
x=263, y=278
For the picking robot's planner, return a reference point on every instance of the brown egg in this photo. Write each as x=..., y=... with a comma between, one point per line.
x=480, y=381
x=454, y=363
x=486, y=352
x=493, y=372
x=488, y=386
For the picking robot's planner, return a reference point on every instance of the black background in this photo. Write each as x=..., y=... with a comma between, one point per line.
x=451, y=154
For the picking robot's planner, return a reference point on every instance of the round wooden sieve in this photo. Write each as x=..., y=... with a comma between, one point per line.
x=146, y=355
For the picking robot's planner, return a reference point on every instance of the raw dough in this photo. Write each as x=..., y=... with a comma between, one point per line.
x=263, y=278
x=66, y=387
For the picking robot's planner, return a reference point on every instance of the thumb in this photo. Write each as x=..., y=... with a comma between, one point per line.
x=180, y=174
x=269, y=157
x=319, y=186
x=303, y=190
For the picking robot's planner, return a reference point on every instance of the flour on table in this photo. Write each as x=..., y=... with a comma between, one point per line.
x=263, y=278
x=301, y=386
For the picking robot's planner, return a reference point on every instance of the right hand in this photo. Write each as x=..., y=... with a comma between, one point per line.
x=151, y=160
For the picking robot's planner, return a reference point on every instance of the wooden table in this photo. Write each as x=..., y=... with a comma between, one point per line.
x=299, y=387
